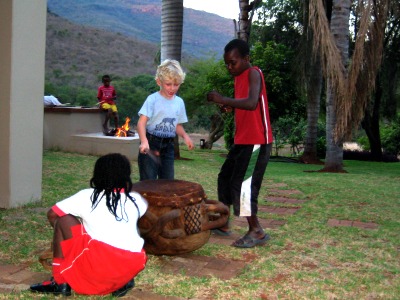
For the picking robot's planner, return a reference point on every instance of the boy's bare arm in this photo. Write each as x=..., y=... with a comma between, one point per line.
x=141, y=129
x=249, y=103
x=182, y=133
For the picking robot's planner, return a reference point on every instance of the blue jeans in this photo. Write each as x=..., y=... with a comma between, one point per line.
x=159, y=164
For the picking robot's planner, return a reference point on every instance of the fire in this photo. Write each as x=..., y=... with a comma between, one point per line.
x=123, y=130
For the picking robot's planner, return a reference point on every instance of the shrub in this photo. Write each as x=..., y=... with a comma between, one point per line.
x=364, y=143
x=229, y=130
x=390, y=137
x=288, y=130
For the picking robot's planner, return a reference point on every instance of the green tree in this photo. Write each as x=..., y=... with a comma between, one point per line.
x=131, y=93
x=203, y=76
x=276, y=61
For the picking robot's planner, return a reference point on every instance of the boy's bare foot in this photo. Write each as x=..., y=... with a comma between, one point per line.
x=105, y=129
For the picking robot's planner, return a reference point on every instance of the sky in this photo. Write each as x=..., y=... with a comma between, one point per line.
x=225, y=8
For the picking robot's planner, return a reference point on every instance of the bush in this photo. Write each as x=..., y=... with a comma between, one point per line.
x=229, y=130
x=364, y=143
x=288, y=130
x=390, y=137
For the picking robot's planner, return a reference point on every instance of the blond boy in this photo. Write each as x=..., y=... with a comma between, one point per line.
x=160, y=120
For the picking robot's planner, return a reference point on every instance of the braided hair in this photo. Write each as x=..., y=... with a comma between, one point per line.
x=111, y=177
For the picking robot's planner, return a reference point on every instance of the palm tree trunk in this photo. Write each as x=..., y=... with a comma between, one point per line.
x=340, y=31
x=171, y=39
x=171, y=29
x=314, y=89
x=313, y=80
x=334, y=147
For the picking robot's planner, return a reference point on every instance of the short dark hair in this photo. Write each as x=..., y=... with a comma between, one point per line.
x=106, y=77
x=240, y=45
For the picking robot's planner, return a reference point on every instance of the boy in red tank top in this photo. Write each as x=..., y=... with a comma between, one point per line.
x=241, y=175
x=107, y=96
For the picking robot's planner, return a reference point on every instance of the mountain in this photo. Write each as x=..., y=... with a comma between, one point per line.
x=78, y=55
x=204, y=34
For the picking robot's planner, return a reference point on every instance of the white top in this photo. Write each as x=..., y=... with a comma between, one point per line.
x=164, y=114
x=101, y=225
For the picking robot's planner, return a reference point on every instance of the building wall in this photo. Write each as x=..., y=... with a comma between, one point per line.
x=22, y=61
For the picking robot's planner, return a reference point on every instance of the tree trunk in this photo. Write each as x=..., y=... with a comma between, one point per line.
x=171, y=29
x=334, y=148
x=216, y=131
x=314, y=89
x=171, y=39
x=340, y=31
x=313, y=80
x=244, y=23
x=371, y=124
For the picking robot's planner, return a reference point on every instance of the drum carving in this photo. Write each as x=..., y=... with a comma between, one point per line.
x=179, y=217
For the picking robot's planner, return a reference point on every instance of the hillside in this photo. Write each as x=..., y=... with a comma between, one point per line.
x=204, y=34
x=78, y=55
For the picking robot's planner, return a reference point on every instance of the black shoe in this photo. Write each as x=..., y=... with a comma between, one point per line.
x=51, y=287
x=122, y=291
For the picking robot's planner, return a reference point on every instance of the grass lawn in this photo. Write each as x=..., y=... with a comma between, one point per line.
x=305, y=258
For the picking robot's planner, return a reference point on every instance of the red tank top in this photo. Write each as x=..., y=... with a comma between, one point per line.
x=252, y=126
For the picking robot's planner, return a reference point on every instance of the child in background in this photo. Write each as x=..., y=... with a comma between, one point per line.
x=160, y=120
x=97, y=248
x=241, y=175
x=107, y=96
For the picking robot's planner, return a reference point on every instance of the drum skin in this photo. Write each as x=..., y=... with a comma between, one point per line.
x=179, y=217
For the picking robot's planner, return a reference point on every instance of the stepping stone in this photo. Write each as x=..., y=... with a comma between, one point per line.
x=265, y=223
x=283, y=192
x=276, y=185
x=279, y=210
x=284, y=200
x=349, y=223
x=223, y=240
x=202, y=266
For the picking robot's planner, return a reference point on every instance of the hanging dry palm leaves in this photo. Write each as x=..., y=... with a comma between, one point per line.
x=351, y=86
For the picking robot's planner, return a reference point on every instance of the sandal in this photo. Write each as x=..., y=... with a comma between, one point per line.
x=247, y=241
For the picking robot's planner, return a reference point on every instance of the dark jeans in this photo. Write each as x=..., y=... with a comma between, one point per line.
x=159, y=163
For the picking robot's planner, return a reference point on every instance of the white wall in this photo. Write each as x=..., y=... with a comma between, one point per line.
x=22, y=62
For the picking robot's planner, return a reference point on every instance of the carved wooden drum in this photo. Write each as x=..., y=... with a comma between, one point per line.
x=179, y=217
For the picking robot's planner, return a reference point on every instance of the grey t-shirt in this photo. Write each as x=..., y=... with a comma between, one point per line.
x=164, y=114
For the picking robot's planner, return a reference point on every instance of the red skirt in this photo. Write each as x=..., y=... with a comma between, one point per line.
x=92, y=267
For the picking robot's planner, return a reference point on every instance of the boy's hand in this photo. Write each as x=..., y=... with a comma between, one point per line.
x=224, y=108
x=214, y=97
x=189, y=143
x=144, y=147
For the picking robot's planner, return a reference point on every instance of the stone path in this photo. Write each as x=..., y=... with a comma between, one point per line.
x=348, y=223
x=280, y=202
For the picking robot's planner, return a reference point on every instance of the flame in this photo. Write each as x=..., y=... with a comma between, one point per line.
x=122, y=131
